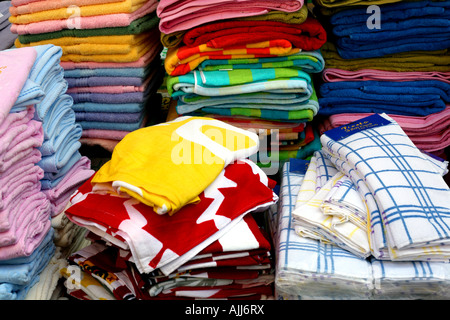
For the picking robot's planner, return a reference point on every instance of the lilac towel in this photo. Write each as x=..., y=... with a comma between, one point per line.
x=22, y=147
x=122, y=117
x=105, y=81
x=29, y=237
x=128, y=97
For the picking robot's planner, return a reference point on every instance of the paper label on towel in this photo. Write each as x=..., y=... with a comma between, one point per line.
x=298, y=165
x=369, y=122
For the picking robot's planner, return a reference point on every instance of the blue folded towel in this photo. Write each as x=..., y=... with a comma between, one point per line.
x=405, y=26
x=18, y=275
x=416, y=98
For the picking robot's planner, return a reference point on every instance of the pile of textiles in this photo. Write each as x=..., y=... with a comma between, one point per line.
x=308, y=268
x=110, y=59
x=167, y=223
x=7, y=38
x=33, y=118
x=400, y=67
x=248, y=64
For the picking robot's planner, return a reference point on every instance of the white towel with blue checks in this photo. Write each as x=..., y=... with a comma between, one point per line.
x=307, y=268
x=411, y=279
x=409, y=191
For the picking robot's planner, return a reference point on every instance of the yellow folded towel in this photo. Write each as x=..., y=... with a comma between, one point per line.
x=167, y=166
x=93, y=45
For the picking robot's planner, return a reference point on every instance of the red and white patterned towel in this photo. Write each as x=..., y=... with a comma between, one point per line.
x=157, y=240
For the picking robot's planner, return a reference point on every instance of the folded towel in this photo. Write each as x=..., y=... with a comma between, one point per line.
x=122, y=117
x=344, y=3
x=6, y=36
x=110, y=43
x=60, y=116
x=333, y=74
x=51, y=179
x=107, y=144
x=181, y=15
x=20, y=275
x=140, y=25
x=108, y=107
x=184, y=129
x=303, y=112
x=67, y=148
x=104, y=134
x=75, y=177
x=125, y=6
x=127, y=97
x=407, y=189
x=341, y=227
x=417, y=98
x=90, y=22
x=181, y=60
x=115, y=125
x=308, y=35
x=132, y=55
x=23, y=145
x=10, y=69
x=30, y=239
x=264, y=100
x=106, y=72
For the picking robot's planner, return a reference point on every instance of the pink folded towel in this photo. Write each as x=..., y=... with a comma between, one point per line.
x=105, y=89
x=92, y=22
x=76, y=176
x=26, y=218
x=16, y=119
x=28, y=237
x=23, y=146
x=141, y=62
x=42, y=5
x=333, y=75
x=104, y=134
x=178, y=15
x=107, y=144
x=15, y=66
x=14, y=183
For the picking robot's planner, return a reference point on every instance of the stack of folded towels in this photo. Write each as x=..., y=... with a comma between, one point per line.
x=173, y=215
x=247, y=62
x=374, y=206
x=110, y=59
x=37, y=143
x=400, y=67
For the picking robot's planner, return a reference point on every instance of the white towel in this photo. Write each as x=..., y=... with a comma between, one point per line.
x=410, y=192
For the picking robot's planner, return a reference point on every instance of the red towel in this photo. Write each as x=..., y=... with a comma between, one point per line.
x=309, y=35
